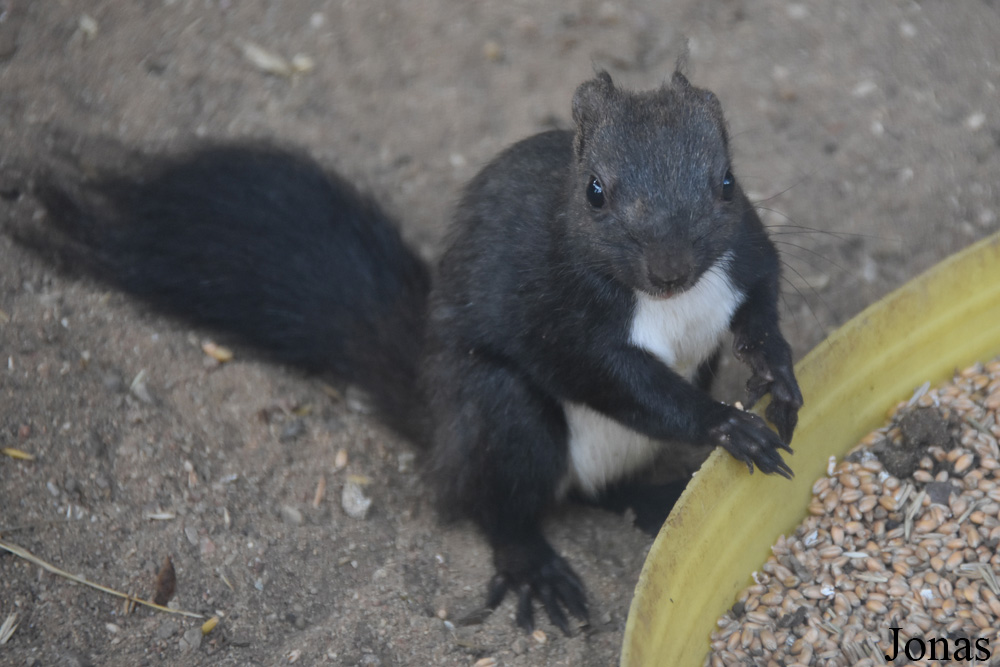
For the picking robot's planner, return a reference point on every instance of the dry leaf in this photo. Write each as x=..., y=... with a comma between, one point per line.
x=8, y=628
x=264, y=60
x=217, y=352
x=17, y=454
x=320, y=492
x=166, y=583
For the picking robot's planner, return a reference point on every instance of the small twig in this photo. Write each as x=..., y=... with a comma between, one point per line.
x=28, y=556
x=8, y=628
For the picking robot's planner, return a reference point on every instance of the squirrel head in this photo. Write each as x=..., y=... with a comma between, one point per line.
x=652, y=195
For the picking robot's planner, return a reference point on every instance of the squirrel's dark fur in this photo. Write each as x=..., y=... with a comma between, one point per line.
x=265, y=244
x=571, y=325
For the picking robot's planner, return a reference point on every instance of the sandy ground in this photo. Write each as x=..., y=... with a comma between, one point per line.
x=868, y=132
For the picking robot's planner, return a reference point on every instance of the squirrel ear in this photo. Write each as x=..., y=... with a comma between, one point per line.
x=589, y=101
x=590, y=97
x=678, y=80
x=679, y=83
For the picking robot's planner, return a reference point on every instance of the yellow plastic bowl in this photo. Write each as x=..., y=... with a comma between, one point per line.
x=723, y=526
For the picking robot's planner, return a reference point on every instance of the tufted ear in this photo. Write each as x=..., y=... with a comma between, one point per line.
x=680, y=84
x=590, y=98
x=589, y=104
x=679, y=81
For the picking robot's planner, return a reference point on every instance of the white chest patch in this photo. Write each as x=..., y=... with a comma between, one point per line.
x=682, y=332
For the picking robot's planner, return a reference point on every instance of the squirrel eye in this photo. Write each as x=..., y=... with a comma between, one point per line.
x=728, y=186
x=595, y=193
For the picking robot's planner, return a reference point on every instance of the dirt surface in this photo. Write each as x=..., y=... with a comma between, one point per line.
x=868, y=131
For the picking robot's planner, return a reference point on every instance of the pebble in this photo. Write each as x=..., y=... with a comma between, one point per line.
x=191, y=639
x=975, y=121
x=206, y=547
x=167, y=629
x=291, y=515
x=340, y=460
x=292, y=430
x=492, y=51
x=88, y=26
x=140, y=388
x=405, y=462
x=864, y=88
x=354, y=502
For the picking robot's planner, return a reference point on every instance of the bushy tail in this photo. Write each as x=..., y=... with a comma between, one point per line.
x=266, y=245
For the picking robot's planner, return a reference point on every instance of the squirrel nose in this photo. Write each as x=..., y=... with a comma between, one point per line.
x=668, y=273
x=668, y=285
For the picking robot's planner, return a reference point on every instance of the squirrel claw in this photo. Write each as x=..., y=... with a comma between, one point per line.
x=748, y=439
x=784, y=415
x=770, y=362
x=786, y=399
x=547, y=577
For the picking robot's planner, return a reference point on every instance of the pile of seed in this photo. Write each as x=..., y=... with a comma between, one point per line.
x=888, y=543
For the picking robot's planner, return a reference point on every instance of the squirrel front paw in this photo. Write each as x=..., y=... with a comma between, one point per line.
x=536, y=571
x=770, y=361
x=748, y=438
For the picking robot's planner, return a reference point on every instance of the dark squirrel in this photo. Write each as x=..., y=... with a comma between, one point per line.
x=572, y=324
